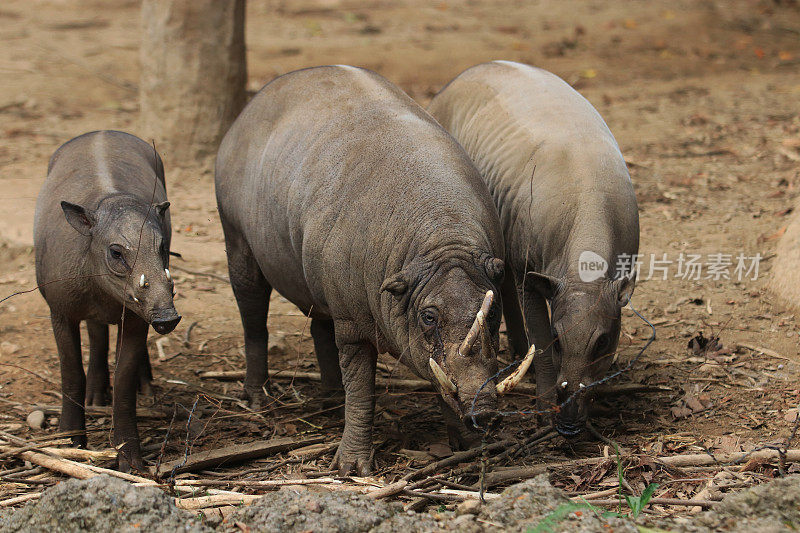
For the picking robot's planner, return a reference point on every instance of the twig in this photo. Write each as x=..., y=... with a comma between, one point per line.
x=65, y=453
x=459, y=457
x=389, y=490
x=705, y=504
x=765, y=351
x=21, y=499
x=198, y=273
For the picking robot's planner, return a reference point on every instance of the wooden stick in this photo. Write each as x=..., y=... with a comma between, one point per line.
x=703, y=459
x=595, y=495
x=270, y=483
x=21, y=499
x=765, y=351
x=65, y=453
x=234, y=454
x=470, y=494
x=434, y=496
x=459, y=457
x=389, y=490
x=423, y=385
x=217, y=500
x=705, y=504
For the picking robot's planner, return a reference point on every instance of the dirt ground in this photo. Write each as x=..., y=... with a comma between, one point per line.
x=703, y=98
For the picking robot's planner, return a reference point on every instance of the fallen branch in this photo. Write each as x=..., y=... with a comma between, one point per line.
x=258, y=484
x=423, y=385
x=233, y=454
x=389, y=490
x=459, y=457
x=55, y=410
x=470, y=494
x=765, y=351
x=704, y=459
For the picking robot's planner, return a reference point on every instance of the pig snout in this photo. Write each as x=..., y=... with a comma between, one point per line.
x=483, y=419
x=570, y=419
x=165, y=320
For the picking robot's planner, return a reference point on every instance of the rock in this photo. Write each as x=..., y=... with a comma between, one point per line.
x=102, y=503
x=36, y=419
x=52, y=421
x=767, y=508
x=8, y=347
x=468, y=507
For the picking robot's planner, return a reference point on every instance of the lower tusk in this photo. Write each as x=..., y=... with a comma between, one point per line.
x=135, y=299
x=169, y=276
x=141, y=281
x=516, y=376
x=441, y=377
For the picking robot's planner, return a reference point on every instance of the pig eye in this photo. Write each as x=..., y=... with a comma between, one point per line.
x=428, y=317
x=116, y=260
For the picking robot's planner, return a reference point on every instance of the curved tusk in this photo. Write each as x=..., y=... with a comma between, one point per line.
x=141, y=281
x=475, y=330
x=441, y=377
x=514, y=378
x=169, y=276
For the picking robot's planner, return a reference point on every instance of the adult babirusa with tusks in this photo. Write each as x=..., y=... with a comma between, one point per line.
x=341, y=193
x=102, y=239
x=569, y=217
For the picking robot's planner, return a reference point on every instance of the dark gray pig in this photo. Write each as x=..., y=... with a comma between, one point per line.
x=337, y=190
x=102, y=235
x=569, y=218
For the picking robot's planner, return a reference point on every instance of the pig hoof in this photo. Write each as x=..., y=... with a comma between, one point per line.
x=146, y=388
x=256, y=397
x=98, y=396
x=351, y=464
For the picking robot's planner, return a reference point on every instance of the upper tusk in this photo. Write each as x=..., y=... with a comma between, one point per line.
x=441, y=377
x=564, y=384
x=169, y=276
x=480, y=320
x=141, y=281
x=514, y=378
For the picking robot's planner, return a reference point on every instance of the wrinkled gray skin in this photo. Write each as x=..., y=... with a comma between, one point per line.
x=337, y=190
x=512, y=118
x=102, y=223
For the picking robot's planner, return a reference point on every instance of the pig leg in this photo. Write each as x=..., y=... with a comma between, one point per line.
x=145, y=374
x=73, y=380
x=538, y=322
x=328, y=359
x=358, y=361
x=131, y=337
x=98, y=388
x=515, y=325
x=252, y=296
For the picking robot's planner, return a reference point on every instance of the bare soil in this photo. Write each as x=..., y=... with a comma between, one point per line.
x=703, y=98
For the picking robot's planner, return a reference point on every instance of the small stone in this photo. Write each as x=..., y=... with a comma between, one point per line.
x=314, y=506
x=52, y=421
x=36, y=419
x=468, y=507
x=8, y=347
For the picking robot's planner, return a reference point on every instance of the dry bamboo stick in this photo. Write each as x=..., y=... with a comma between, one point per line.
x=21, y=499
x=216, y=500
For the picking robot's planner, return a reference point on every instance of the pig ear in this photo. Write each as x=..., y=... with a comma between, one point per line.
x=161, y=208
x=545, y=285
x=80, y=218
x=623, y=288
x=397, y=284
x=495, y=268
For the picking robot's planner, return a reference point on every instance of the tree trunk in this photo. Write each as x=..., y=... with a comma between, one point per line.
x=193, y=75
x=785, y=275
